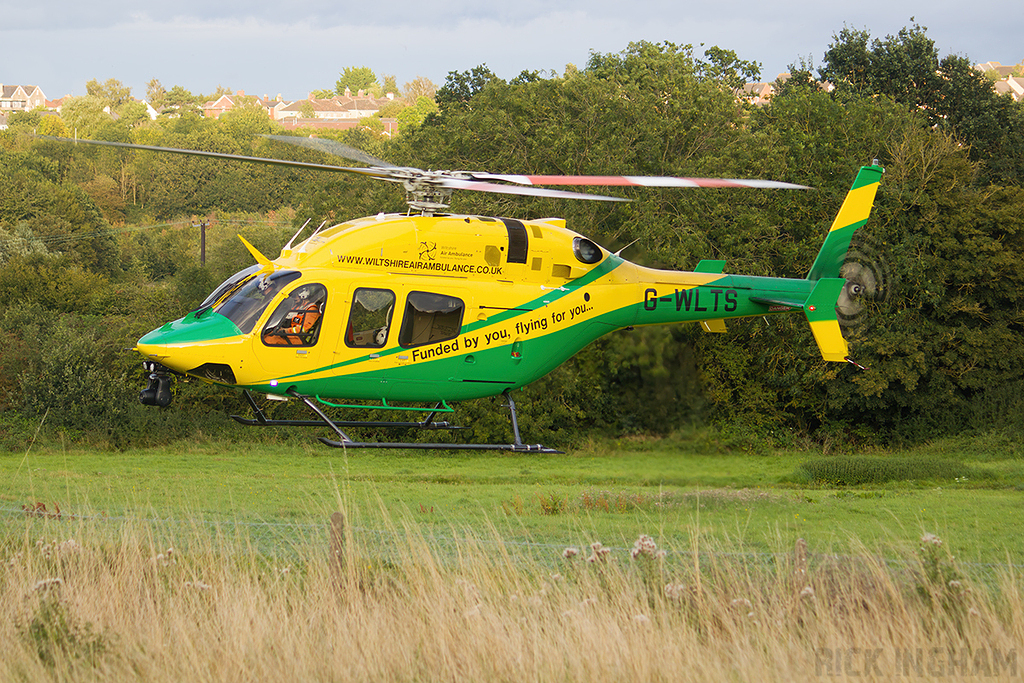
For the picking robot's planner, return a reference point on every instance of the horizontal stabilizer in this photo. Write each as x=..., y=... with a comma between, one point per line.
x=776, y=301
x=711, y=266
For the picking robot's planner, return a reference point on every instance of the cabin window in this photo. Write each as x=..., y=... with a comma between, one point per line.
x=430, y=318
x=296, y=321
x=586, y=251
x=246, y=304
x=370, y=318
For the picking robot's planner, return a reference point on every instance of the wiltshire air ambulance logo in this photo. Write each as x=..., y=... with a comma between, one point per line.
x=428, y=251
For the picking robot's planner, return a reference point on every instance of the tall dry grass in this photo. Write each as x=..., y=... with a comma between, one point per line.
x=80, y=601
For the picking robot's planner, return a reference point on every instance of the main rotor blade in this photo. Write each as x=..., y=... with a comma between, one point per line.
x=332, y=147
x=638, y=181
x=478, y=186
x=215, y=155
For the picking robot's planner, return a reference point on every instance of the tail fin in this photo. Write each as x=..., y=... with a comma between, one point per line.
x=852, y=215
x=820, y=307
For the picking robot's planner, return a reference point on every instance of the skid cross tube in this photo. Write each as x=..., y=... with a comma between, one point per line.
x=344, y=441
x=261, y=420
x=517, y=446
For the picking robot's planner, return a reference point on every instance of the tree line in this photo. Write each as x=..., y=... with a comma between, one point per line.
x=97, y=245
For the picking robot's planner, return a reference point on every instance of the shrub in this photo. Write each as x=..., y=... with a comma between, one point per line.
x=861, y=469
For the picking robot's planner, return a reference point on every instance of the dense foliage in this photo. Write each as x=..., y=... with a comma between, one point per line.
x=97, y=246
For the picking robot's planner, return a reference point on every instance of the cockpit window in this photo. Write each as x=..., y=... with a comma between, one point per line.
x=247, y=303
x=370, y=317
x=430, y=318
x=231, y=283
x=296, y=320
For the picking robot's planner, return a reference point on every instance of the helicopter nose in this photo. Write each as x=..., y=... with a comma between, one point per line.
x=189, y=341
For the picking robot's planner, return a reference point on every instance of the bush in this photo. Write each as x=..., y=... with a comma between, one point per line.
x=860, y=470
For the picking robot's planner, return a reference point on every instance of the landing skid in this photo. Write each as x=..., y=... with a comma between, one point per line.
x=344, y=441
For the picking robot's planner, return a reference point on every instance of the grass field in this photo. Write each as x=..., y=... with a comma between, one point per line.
x=215, y=562
x=608, y=492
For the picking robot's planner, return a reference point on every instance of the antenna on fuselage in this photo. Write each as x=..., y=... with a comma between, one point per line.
x=289, y=245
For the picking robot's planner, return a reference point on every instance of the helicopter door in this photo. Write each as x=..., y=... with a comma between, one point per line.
x=429, y=339
x=365, y=334
x=288, y=343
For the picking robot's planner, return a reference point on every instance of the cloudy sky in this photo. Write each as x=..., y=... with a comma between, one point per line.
x=290, y=48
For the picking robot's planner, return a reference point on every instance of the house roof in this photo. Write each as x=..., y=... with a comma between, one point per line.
x=8, y=92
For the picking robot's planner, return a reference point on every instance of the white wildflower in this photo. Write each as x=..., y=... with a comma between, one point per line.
x=674, y=591
x=69, y=546
x=644, y=545
x=598, y=552
x=47, y=584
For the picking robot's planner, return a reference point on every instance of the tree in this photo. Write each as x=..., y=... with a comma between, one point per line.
x=85, y=115
x=460, y=87
x=356, y=78
x=133, y=113
x=54, y=126
x=156, y=94
x=421, y=86
x=951, y=93
x=415, y=115
x=112, y=92
x=25, y=119
x=179, y=101
x=724, y=66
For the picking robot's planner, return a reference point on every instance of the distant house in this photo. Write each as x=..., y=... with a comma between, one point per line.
x=55, y=105
x=996, y=68
x=214, y=108
x=21, y=98
x=339, y=107
x=756, y=93
x=761, y=93
x=1006, y=83
x=1012, y=86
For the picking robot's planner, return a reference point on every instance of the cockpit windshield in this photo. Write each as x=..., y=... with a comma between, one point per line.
x=244, y=306
x=230, y=284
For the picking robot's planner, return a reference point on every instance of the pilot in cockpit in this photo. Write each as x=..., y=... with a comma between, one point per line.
x=296, y=320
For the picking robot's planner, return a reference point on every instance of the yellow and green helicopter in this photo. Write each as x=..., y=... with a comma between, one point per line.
x=431, y=307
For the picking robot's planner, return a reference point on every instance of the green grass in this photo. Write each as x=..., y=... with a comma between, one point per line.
x=608, y=491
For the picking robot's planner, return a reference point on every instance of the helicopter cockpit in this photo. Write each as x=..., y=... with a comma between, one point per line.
x=242, y=299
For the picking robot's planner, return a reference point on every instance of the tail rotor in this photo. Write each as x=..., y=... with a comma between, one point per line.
x=869, y=283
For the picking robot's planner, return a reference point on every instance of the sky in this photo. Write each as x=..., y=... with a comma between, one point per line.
x=290, y=48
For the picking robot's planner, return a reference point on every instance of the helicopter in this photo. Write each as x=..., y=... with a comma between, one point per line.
x=429, y=307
